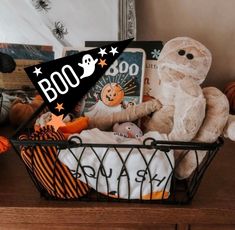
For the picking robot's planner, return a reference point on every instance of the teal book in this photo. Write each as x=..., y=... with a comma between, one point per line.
x=120, y=87
x=152, y=50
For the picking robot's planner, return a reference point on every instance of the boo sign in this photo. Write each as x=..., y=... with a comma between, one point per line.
x=64, y=81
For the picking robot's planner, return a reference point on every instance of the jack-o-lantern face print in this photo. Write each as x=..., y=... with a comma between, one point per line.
x=112, y=94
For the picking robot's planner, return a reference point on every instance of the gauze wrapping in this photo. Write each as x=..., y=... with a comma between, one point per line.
x=196, y=68
x=217, y=113
x=182, y=66
x=190, y=106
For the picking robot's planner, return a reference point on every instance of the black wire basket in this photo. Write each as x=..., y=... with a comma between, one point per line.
x=41, y=153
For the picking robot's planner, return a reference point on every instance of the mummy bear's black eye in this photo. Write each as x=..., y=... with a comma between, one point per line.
x=181, y=52
x=189, y=56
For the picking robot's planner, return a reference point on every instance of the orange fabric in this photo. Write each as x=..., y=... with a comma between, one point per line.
x=72, y=127
x=36, y=128
x=75, y=126
x=51, y=174
x=38, y=98
x=4, y=144
x=155, y=196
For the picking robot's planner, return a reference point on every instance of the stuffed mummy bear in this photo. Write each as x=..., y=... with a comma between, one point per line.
x=182, y=66
x=188, y=112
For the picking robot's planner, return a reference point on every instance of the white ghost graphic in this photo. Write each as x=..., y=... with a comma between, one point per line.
x=88, y=65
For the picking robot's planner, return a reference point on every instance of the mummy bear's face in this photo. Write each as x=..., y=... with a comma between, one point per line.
x=185, y=57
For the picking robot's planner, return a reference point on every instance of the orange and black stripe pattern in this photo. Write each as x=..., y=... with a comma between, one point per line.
x=45, y=166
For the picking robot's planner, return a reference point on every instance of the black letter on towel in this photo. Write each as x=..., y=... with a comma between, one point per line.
x=103, y=172
x=76, y=174
x=159, y=181
x=123, y=173
x=141, y=173
x=92, y=174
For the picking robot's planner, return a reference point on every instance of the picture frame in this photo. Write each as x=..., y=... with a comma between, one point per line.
x=127, y=19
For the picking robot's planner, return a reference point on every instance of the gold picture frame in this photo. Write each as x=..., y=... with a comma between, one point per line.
x=127, y=19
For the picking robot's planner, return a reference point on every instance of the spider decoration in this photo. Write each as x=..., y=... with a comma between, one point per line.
x=59, y=31
x=42, y=5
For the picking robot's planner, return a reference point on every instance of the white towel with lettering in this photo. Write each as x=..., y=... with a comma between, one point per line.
x=128, y=173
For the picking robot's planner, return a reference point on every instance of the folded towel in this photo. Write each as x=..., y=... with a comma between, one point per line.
x=128, y=173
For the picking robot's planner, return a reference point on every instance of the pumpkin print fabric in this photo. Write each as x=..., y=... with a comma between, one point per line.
x=51, y=175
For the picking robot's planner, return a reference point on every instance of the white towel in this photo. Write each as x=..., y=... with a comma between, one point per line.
x=134, y=181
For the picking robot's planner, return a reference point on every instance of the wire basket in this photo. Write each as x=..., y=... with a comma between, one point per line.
x=55, y=180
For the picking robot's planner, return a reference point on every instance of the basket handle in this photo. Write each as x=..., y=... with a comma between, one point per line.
x=168, y=145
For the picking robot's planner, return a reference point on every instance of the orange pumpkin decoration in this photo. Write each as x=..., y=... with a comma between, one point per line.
x=38, y=99
x=230, y=93
x=112, y=94
x=4, y=144
x=22, y=110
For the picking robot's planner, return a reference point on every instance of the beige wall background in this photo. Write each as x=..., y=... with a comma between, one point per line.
x=212, y=22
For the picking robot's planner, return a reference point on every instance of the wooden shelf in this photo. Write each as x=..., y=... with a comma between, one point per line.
x=22, y=206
